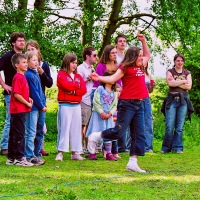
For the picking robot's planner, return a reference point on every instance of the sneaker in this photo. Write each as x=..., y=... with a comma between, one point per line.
x=179, y=152
x=77, y=157
x=33, y=160
x=134, y=168
x=149, y=151
x=95, y=137
x=40, y=161
x=4, y=152
x=10, y=161
x=109, y=156
x=162, y=152
x=59, y=156
x=23, y=162
x=43, y=152
x=92, y=156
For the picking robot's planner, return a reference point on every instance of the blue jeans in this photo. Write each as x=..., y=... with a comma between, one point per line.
x=6, y=130
x=174, y=120
x=148, y=125
x=130, y=113
x=34, y=133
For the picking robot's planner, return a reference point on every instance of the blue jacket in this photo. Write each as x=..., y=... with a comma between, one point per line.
x=36, y=93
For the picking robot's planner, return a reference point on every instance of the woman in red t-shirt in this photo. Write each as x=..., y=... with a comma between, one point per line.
x=131, y=104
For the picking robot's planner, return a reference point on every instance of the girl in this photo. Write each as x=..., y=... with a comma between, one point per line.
x=71, y=88
x=104, y=106
x=45, y=76
x=131, y=102
x=107, y=62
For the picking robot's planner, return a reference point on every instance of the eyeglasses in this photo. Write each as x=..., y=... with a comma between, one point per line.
x=20, y=40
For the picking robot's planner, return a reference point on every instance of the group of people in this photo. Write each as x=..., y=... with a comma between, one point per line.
x=25, y=78
x=88, y=100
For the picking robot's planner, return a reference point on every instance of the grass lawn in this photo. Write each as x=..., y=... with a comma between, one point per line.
x=170, y=176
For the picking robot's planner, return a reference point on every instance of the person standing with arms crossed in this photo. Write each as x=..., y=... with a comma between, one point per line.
x=17, y=41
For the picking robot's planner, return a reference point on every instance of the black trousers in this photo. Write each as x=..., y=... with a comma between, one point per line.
x=16, y=143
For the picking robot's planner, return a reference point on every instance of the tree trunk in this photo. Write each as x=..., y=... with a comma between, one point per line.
x=87, y=22
x=111, y=25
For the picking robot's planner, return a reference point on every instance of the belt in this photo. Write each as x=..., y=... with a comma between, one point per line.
x=137, y=99
x=177, y=97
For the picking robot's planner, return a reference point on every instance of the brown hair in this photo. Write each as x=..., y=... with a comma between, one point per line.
x=35, y=44
x=14, y=36
x=113, y=85
x=16, y=58
x=87, y=51
x=121, y=35
x=30, y=55
x=130, y=57
x=179, y=55
x=105, y=57
x=68, y=58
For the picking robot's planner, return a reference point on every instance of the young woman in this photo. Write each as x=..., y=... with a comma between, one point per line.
x=71, y=88
x=131, y=103
x=176, y=105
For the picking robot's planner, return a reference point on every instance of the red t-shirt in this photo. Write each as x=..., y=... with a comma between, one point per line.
x=133, y=82
x=19, y=86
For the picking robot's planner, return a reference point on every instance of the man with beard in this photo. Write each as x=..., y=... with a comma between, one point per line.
x=17, y=41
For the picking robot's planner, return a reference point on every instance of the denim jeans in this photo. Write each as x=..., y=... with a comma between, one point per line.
x=34, y=133
x=6, y=130
x=174, y=120
x=130, y=113
x=148, y=125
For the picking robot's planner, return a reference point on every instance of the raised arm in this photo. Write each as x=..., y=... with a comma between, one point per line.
x=145, y=48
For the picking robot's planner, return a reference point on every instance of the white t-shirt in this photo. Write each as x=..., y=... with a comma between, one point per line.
x=85, y=70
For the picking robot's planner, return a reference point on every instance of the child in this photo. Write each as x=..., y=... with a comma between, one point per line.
x=35, y=119
x=104, y=106
x=71, y=88
x=20, y=105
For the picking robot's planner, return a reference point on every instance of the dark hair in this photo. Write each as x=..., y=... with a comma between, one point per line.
x=35, y=44
x=16, y=58
x=87, y=51
x=14, y=36
x=130, y=57
x=113, y=85
x=179, y=55
x=121, y=35
x=105, y=57
x=68, y=58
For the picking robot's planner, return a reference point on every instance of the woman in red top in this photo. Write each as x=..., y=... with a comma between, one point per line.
x=131, y=103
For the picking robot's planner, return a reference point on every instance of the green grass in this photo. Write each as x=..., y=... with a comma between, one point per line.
x=170, y=176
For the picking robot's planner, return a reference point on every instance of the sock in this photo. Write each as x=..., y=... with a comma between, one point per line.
x=108, y=146
x=132, y=161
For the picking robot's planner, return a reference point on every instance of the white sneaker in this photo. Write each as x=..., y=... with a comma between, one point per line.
x=134, y=168
x=59, y=157
x=23, y=162
x=95, y=137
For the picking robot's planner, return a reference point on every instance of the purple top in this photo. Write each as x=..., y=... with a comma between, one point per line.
x=100, y=70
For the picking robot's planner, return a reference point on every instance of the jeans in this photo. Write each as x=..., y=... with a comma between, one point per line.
x=174, y=120
x=34, y=133
x=130, y=113
x=148, y=125
x=6, y=130
x=16, y=137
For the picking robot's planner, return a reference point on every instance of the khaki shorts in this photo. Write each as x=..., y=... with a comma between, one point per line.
x=86, y=112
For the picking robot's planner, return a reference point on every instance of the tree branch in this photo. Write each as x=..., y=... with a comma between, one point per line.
x=65, y=17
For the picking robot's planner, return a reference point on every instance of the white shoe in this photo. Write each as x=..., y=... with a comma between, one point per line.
x=95, y=137
x=59, y=157
x=23, y=162
x=134, y=168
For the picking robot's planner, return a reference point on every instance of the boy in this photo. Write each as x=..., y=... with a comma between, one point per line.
x=20, y=105
x=35, y=119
